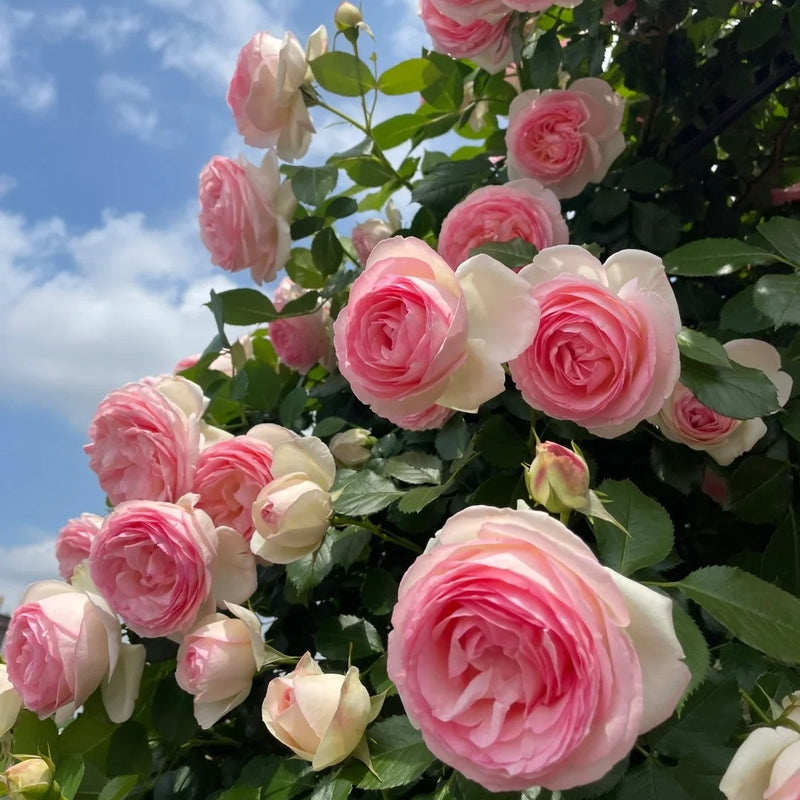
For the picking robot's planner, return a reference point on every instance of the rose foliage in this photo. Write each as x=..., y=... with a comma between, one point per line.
x=498, y=492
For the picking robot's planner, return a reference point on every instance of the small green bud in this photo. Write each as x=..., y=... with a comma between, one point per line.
x=558, y=478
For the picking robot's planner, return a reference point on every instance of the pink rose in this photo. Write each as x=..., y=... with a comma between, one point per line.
x=320, y=716
x=683, y=418
x=414, y=334
x=605, y=354
x=618, y=13
x=244, y=215
x=217, y=661
x=767, y=764
x=425, y=420
x=229, y=476
x=521, y=209
x=367, y=234
x=62, y=644
x=145, y=439
x=522, y=660
x=153, y=562
x=74, y=542
x=300, y=342
x=265, y=95
x=535, y=6
x=565, y=138
x=482, y=39
x=787, y=194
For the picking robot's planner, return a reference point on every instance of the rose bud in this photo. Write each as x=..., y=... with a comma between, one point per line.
x=558, y=478
x=352, y=448
x=32, y=777
x=346, y=16
x=321, y=717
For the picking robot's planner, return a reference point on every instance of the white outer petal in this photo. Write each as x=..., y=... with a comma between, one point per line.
x=563, y=259
x=664, y=674
x=502, y=312
x=309, y=455
x=121, y=689
x=757, y=354
x=748, y=774
x=478, y=379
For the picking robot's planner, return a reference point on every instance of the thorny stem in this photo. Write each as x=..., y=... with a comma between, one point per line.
x=389, y=538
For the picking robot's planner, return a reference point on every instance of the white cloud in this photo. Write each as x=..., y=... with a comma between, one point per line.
x=131, y=106
x=83, y=314
x=21, y=81
x=408, y=32
x=203, y=40
x=21, y=565
x=107, y=28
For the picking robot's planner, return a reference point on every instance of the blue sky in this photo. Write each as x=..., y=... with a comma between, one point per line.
x=108, y=111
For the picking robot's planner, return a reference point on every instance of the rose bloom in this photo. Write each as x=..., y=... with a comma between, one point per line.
x=320, y=716
x=767, y=765
x=10, y=702
x=74, y=542
x=300, y=342
x=565, y=138
x=244, y=215
x=605, y=354
x=145, y=439
x=217, y=661
x=521, y=209
x=153, y=562
x=265, y=97
x=414, y=334
x=428, y=419
x=483, y=40
x=534, y=6
x=61, y=644
x=683, y=418
x=522, y=660
x=367, y=234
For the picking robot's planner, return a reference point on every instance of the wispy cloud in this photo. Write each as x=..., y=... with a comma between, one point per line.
x=21, y=565
x=131, y=106
x=108, y=28
x=21, y=80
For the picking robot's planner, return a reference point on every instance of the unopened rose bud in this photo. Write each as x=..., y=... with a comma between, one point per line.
x=31, y=778
x=558, y=478
x=352, y=448
x=347, y=16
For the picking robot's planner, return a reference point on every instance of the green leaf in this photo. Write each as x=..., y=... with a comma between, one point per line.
x=264, y=386
x=416, y=499
x=346, y=636
x=649, y=781
x=513, y=253
x=327, y=251
x=331, y=787
x=758, y=28
x=414, y=467
x=736, y=391
x=650, y=533
x=452, y=440
x=119, y=787
x=790, y=419
x=759, y=614
x=656, y=227
x=711, y=715
x=379, y=591
x=292, y=406
x=306, y=226
x=311, y=569
x=368, y=171
x=341, y=207
x=781, y=562
x=396, y=130
x=501, y=444
x=405, y=77
x=249, y=306
x=278, y=777
x=445, y=86
x=365, y=492
x=542, y=66
x=241, y=793
x=311, y=185
x=69, y=773
x=778, y=297
x=399, y=756
x=129, y=751
x=741, y=315
x=300, y=268
x=714, y=257
x=695, y=649
x=608, y=204
x=343, y=74
x=760, y=489
x=347, y=545
x=646, y=176
x=448, y=182
x=699, y=347
x=784, y=235
x=35, y=736
x=172, y=712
